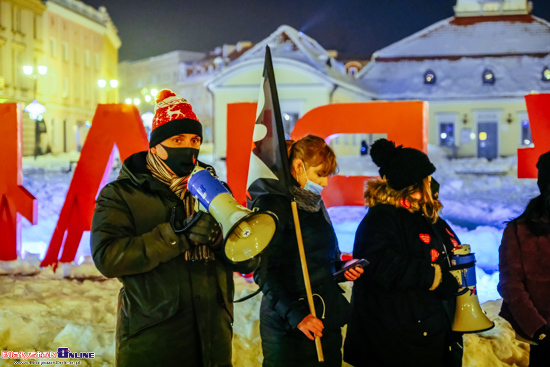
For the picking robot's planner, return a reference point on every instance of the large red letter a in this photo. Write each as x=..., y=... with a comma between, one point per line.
x=112, y=124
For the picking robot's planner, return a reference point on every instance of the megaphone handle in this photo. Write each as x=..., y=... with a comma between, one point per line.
x=188, y=225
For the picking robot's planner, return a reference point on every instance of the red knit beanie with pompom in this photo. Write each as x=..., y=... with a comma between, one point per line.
x=173, y=116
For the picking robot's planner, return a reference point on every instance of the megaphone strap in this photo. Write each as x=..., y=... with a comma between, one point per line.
x=322, y=301
x=185, y=227
x=248, y=296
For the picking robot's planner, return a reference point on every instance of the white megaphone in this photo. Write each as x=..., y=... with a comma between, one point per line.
x=246, y=233
x=469, y=317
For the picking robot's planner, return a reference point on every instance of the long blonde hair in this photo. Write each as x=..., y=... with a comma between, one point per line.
x=378, y=191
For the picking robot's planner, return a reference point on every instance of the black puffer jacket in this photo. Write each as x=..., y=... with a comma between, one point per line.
x=396, y=320
x=284, y=302
x=171, y=311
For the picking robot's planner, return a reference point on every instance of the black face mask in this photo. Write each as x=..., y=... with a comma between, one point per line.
x=181, y=160
x=434, y=186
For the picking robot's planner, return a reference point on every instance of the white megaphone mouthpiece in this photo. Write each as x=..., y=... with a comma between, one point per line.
x=246, y=233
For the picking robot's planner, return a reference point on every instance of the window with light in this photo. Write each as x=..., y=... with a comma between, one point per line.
x=429, y=77
x=488, y=77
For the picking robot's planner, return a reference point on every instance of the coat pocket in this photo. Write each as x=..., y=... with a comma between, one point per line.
x=147, y=301
x=144, y=316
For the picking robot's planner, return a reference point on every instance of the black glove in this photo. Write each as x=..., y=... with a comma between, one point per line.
x=448, y=287
x=205, y=230
x=542, y=337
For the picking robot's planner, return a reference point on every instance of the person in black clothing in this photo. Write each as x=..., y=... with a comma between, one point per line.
x=287, y=327
x=175, y=306
x=524, y=273
x=403, y=305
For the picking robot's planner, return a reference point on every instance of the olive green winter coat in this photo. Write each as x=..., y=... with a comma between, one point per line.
x=171, y=312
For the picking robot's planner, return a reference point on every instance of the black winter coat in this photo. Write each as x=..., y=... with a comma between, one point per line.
x=396, y=320
x=284, y=303
x=171, y=312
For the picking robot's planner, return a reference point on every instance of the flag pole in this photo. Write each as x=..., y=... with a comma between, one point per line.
x=283, y=176
x=305, y=272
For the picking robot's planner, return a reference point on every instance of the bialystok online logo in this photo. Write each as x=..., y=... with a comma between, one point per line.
x=62, y=353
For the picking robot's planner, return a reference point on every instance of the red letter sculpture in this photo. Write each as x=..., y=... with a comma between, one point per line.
x=404, y=122
x=118, y=124
x=539, y=119
x=14, y=198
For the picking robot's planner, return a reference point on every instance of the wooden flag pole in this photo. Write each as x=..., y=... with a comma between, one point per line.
x=306, y=276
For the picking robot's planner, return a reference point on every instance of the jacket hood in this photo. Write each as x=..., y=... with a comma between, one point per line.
x=135, y=168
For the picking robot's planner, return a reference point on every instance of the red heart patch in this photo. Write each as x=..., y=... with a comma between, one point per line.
x=425, y=238
x=455, y=243
x=434, y=254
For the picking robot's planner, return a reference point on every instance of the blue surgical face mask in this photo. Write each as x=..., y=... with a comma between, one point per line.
x=312, y=186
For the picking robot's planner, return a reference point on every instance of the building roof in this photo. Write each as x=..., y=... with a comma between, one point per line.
x=289, y=43
x=480, y=36
x=515, y=77
x=458, y=50
x=214, y=61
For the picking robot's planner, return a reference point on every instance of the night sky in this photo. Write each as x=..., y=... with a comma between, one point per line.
x=355, y=28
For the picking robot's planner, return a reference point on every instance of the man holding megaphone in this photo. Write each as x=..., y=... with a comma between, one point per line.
x=175, y=306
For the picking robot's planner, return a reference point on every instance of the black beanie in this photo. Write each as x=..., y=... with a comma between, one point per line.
x=402, y=167
x=543, y=165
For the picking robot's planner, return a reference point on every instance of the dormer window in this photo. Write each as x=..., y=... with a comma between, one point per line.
x=429, y=77
x=546, y=74
x=488, y=77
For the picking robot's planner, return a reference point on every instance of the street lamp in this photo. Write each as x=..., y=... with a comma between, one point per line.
x=29, y=70
x=102, y=83
x=35, y=109
x=149, y=96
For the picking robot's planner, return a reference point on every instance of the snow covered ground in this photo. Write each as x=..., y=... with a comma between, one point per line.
x=75, y=307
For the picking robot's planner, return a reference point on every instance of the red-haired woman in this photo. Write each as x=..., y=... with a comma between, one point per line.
x=286, y=326
x=403, y=305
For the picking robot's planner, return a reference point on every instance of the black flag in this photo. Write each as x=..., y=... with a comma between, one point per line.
x=269, y=171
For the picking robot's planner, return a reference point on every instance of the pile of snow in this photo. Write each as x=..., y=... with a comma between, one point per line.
x=45, y=312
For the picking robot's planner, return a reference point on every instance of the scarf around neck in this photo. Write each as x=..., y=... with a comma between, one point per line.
x=178, y=185
x=306, y=200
